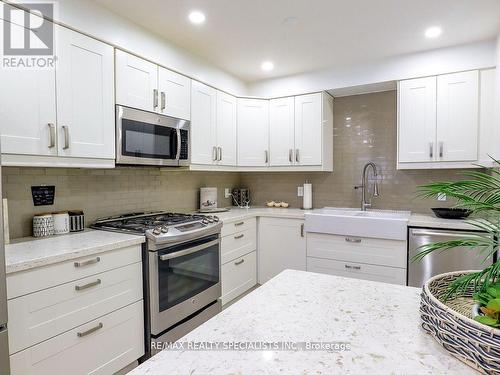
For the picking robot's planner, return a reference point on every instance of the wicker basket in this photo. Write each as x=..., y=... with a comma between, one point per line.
x=451, y=325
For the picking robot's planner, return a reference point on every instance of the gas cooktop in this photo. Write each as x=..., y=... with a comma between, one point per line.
x=161, y=227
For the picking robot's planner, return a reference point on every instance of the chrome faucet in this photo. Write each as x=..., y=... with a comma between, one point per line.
x=364, y=185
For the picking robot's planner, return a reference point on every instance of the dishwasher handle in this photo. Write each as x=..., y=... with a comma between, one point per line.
x=420, y=232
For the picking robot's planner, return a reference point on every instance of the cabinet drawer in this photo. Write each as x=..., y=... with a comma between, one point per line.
x=238, y=244
x=39, y=316
x=389, y=275
x=238, y=276
x=32, y=280
x=390, y=253
x=238, y=226
x=103, y=346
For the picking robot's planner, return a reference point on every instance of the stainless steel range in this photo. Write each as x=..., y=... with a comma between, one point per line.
x=182, y=266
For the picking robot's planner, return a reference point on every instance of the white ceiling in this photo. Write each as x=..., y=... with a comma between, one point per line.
x=306, y=35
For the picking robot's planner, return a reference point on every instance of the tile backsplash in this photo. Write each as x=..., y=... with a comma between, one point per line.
x=101, y=193
x=364, y=130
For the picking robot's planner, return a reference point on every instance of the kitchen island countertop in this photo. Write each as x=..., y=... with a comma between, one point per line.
x=378, y=324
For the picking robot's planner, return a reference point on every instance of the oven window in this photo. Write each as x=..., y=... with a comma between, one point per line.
x=148, y=141
x=184, y=277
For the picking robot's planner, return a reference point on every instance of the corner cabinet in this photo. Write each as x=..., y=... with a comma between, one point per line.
x=445, y=121
x=144, y=85
x=68, y=116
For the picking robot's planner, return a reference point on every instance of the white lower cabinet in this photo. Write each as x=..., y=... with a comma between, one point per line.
x=282, y=245
x=358, y=257
x=102, y=346
x=238, y=276
x=238, y=258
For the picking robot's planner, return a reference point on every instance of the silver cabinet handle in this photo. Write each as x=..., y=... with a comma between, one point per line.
x=89, y=331
x=239, y=262
x=89, y=285
x=238, y=224
x=290, y=156
x=52, y=135
x=155, y=98
x=87, y=262
x=431, y=150
x=266, y=153
x=352, y=267
x=214, y=153
x=66, y=137
x=301, y=230
x=163, y=101
x=297, y=156
x=352, y=239
x=441, y=149
x=219, y=153
x=239, y=236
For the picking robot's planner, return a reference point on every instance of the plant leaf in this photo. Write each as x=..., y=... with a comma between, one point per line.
x=494, y=305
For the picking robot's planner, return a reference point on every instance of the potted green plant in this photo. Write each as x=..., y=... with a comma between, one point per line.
x=448, y=301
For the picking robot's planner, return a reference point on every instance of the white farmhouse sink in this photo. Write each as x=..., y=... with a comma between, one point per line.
x=354, y=222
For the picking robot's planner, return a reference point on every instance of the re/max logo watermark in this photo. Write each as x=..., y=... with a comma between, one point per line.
x=28, y=38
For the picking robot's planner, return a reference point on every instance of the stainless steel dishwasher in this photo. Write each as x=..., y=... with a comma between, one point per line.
x=457, y=259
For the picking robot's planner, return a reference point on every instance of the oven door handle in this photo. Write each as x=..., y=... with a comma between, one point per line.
x=178, y=154
x=191, y=250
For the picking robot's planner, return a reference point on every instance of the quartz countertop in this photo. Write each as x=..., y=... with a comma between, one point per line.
x=415, y=220
x=379, y=322
x=26, y=253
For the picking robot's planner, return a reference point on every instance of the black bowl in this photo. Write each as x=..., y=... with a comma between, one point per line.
x=451, y=213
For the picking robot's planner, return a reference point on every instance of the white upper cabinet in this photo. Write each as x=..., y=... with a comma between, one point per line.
x=282, y=131
x=85, y=96
x=458, y=116
x=308, y=129
x=226, y=129
x=203, y=124
x=143, y=85
x=136, y=82
x=175, y=94
x=27, y=109
x=253, y=132
x=417, y=120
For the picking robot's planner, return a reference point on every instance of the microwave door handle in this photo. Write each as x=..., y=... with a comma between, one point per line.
x=178, y=154
x=190, y=250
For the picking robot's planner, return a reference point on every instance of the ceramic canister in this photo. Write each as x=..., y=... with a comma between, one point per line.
x=61, y=222
x=43, y=225
x=208, y=198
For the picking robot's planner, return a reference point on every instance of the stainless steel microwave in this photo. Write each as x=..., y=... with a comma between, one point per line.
x=146, y=138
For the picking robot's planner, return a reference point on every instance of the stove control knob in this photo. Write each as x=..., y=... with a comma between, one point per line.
x=216, y=219
x=164, y=229
x=210, y=219
x=157, y=231
x=204, y=221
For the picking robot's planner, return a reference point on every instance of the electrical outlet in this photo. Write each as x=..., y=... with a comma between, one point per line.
x=227, y=193
x=300, y=191
x=441, y=197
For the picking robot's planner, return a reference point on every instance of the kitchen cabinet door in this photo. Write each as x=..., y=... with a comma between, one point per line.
x=282, y=131
x=308, y=129
x=175, y=94
x=253, y=132
x=226, y=129
x=282, y=245
x=27, y=109
x=136, y=82
x=203, y=124
x=85, y=96
x=417, y=120
x=458, y=116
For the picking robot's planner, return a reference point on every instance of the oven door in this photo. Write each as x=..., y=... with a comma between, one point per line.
x=183, y=279
x=150, y=139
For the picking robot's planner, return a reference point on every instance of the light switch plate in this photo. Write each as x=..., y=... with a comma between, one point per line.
x=227, y=193
x=300, y=191
x=441, y=197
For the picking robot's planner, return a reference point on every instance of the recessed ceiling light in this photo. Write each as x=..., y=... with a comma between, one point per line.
x=267, y=66
x=196, y=17
x=433, y=32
